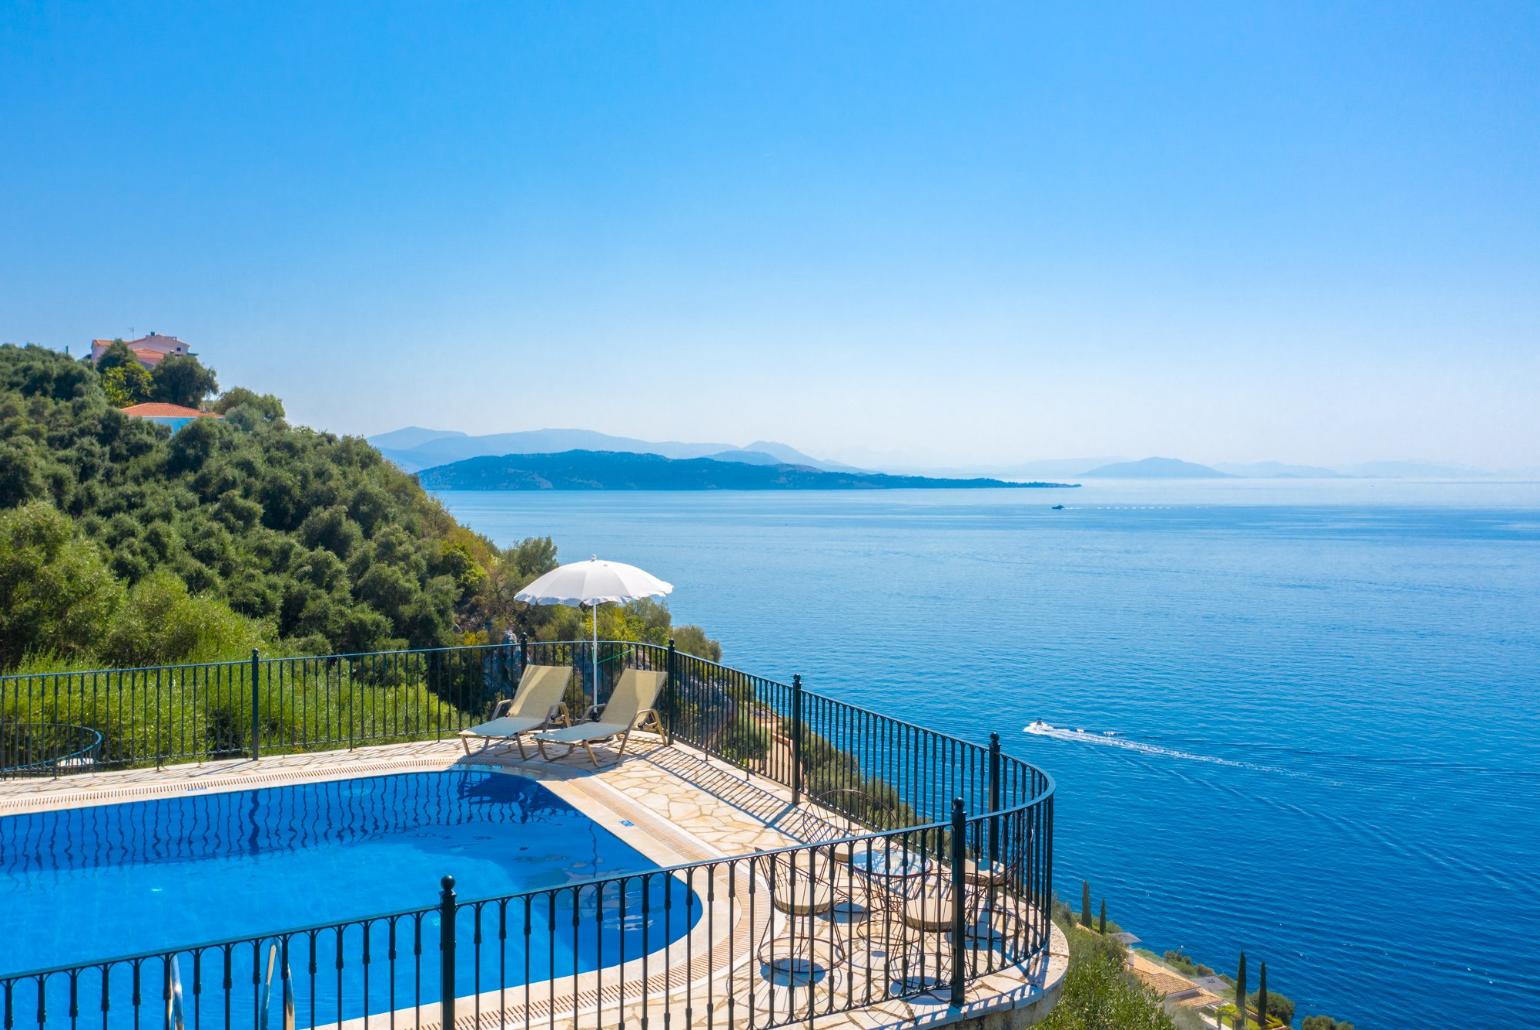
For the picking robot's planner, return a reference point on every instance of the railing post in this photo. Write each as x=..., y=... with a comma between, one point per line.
x=959, y=899
x=1045, y=845
x=446, y=948
x=994, y=800
x=796, y=741
x=256, y=706
x=673, y=691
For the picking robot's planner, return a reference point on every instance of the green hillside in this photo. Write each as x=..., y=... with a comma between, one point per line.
x=121, y=543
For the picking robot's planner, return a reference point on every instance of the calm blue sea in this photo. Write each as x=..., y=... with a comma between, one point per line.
x=1296, y=717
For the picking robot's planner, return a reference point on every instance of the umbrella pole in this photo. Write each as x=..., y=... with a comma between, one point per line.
x=595, y=655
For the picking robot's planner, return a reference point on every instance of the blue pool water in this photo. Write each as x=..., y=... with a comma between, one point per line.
x=1300, y=718
x=112, y=880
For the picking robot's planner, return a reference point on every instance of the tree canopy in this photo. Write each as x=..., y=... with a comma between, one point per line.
x=127, y=384
x=182, y=379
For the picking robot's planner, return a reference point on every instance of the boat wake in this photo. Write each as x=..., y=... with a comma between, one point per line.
x=1111, y=739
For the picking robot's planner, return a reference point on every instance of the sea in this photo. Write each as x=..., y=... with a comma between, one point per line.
x=1299, y=718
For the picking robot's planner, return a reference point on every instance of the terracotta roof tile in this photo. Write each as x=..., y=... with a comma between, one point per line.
x=147, y=356
x=157, y=409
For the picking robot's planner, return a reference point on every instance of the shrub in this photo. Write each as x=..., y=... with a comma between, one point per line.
x=56, y=591
x=182, y=379
x=746, y=739
x=1279, y=1006
x=127, y=384
x=161, y=622
x=265, y=405
x=1185, y=963
x=1324, y=1023
x=1099, y=994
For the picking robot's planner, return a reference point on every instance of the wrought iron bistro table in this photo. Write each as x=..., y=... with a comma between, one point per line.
x=890, y=874
x=890, y=864
x=892, y=946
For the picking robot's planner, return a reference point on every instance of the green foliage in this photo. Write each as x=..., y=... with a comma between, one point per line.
x=1098, y=992
x=1324, y=1023
x=692, y=639
x=117, y=355
x=646, y=621
x=56, y=591
x=21, y=472
x=1101, y=922
x=1279, y=1007
x=181, y=379
x=826, y=768
x=205, y=711
x=127, y=384
x=506, y=574
x=746, y=740
x=162, y=621
x=316, y=536
x=1184, y=963
x=1085, y=903
x=307, y=541
x=263, y=405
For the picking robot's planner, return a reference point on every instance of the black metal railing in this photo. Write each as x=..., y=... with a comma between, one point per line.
x=927, y=865
x=47, y=749
x=160, y=715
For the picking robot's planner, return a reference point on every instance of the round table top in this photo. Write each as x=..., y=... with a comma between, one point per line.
x=881, y=861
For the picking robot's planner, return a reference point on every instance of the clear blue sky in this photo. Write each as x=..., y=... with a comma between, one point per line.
x=946, y=233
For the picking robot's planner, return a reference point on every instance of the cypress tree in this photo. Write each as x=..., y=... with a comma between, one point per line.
x=1101, y=927
x=1240, y=991
x=1262, y=996
x=1085, y=903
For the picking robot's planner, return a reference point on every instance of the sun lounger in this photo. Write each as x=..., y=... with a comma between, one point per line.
x=536, y=704
x=629, y=708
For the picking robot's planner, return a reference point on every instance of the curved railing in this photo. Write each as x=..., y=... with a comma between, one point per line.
x=47, y=749
x=926, y=866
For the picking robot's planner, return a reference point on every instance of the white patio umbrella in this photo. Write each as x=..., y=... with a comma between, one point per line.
x=592, y=583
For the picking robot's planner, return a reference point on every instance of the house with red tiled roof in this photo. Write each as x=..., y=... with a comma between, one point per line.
x=150, y=350
x=173, y=415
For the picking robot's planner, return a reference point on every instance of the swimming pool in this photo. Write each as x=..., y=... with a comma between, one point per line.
x=88, y=883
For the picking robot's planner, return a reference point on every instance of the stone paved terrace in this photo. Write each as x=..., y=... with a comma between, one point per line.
x=672, y=804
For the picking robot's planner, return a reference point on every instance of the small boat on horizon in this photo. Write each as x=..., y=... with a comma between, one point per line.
x=1058, y=507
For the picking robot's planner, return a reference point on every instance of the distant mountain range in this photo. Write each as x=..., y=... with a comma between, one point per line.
x=611, y=470
x=1173, y=468
x=1155, y=468
x=414, y=447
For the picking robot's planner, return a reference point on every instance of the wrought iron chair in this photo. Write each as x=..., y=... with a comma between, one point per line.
x=838, y=807
x=798, y=950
